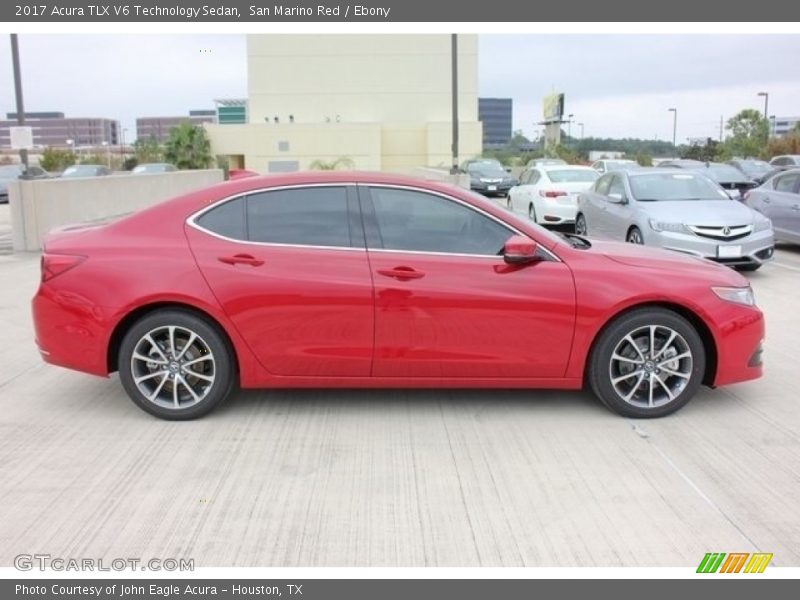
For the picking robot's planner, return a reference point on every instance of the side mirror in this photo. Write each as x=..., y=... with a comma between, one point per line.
x=617, y=198
x=519, y=250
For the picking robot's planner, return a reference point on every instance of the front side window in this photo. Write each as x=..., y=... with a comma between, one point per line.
x=617, y=187
x=601, y=187
x=418, y=221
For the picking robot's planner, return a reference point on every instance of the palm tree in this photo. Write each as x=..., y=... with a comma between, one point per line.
x=342, y=162
x=188, y=147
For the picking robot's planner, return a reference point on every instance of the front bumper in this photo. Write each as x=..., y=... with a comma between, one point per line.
x=491, y=189
x=755, y=249
x=740, y=337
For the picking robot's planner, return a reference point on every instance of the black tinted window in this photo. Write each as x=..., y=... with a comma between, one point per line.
x=787, y=183
x=226, y=219
x=410, y=220
x=315, y=216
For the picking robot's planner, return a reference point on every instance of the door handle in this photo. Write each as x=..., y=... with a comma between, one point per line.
x=766, y=200
x=401, y=273
x=796, y=207
x=241, y=259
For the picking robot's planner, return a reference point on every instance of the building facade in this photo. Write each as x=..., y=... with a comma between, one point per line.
x=783, y=125
x=496, y=116
x=55, y=129
x=159, y=127
x=382, y=101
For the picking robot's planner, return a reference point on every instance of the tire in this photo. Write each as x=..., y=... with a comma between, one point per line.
x=749, y=268
x=580, y=225
x=508, y=202
x=532, y=212
x=156, y=359
x=634, y=236
x=629, y=385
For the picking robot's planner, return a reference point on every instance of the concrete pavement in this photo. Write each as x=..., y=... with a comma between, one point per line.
x=398, y=478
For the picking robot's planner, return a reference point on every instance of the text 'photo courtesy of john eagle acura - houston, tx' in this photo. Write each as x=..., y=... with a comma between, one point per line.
x=345, y=279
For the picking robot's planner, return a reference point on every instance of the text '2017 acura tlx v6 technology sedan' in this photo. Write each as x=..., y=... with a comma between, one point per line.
x=372, y=280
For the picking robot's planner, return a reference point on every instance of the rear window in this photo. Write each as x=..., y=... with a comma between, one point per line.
x=573, y=176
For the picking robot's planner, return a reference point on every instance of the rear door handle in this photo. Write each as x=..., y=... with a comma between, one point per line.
x=401, y=273
x=796, y=207
x=241, y=259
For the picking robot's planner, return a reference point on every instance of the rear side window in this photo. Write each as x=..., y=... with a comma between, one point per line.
x=227, y=219
x=315, y=216
x=787, y=183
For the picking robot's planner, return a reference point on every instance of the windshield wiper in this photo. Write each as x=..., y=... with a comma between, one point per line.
x=575, y=240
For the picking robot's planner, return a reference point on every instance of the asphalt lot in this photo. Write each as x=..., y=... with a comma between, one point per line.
x=398, y=478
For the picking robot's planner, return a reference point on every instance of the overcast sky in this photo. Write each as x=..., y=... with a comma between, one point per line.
x=617, y=85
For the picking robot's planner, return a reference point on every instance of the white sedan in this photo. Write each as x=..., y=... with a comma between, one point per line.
x=549, y=194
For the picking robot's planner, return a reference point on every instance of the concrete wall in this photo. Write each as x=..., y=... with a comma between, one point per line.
x=459, y=179
x=39, y=206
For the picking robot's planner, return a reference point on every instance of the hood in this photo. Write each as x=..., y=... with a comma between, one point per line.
x=710, y=213
x=659, y=259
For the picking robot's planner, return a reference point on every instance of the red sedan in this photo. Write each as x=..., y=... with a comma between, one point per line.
x=335, y=279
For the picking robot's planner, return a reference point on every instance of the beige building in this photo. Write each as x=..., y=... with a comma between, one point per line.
x=382, y=101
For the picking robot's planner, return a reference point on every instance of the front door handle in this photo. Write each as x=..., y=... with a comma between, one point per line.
x=241, y=259
x=401, y=273
x=766, y=200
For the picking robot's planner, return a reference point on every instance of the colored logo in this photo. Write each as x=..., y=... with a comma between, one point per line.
x=735, y=562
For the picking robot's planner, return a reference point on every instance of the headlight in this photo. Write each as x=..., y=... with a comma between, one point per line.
x=762, y=225
x=738, y=295
x=662, y=226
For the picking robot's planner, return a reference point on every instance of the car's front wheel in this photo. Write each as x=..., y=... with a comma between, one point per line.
x=176, y=365
x=635, y=236
x=647, y=363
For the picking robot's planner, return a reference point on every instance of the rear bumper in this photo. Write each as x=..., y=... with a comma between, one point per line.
x=553, y=212
x=70, y=331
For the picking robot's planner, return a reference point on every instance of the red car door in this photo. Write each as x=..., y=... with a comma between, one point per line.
x=447, y=305
x=290, y=270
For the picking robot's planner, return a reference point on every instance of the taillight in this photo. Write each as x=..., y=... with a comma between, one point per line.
x=56, y=264
x=551, y=193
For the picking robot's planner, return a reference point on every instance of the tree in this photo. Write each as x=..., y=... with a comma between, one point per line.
x=55, y=159
x=188, y=147
x=339, y=163
x=749, y=133
x=148, y=150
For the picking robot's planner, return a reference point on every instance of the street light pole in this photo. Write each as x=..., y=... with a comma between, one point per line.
x=581, y=126
x=454, y=91
x=23, y=152
x=569, y=126
x=766, y=109
x=674, y=112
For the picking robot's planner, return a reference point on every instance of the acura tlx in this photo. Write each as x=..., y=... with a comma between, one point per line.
x=346, y=279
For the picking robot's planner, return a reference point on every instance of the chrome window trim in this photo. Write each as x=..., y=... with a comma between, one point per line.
x=191, y=220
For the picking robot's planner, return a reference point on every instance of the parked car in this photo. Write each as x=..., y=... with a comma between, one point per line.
x=756, y=170
x=239, y=173
x=731, y=179
x=549, y=194
x=606, y=165
x=9, y=173
x=488, y=177
x=683, y=211
x=86, y=171
x=786, y=160
x=151, y=168
x=267, y=282
x=779, y=200
x=545, y=162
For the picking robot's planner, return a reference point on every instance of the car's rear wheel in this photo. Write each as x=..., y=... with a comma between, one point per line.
x=580, y=225
x=532, y=212
x=647, y=363
x=508, y=201
x=635, y=236
x=176, y=365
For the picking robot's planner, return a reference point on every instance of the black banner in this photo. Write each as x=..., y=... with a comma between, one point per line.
x=397, y=11
x=387, y=589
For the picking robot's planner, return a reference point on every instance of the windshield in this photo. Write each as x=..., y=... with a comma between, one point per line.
x=486, y=168
x=573, y=175
x=613, y=165
x=79, y=171
x=725, y=173
x=755, y=167
x=679, y=186
x=10, y=172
